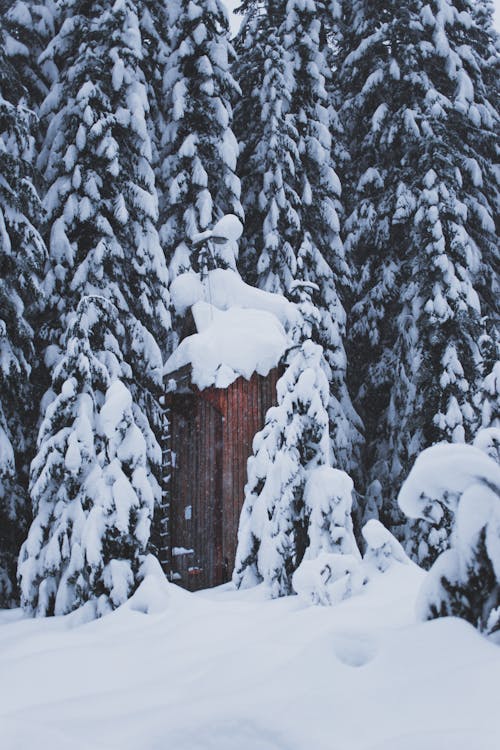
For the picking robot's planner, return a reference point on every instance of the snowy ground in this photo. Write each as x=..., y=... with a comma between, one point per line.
x=226, y=670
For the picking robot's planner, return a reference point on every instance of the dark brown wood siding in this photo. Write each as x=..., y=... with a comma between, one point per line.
x=196, y=492
x=212, y=433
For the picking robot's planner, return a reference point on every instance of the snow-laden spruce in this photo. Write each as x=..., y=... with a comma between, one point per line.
x=22, y=256
x=488, y=396
x=92, y=484
x=419, y=100
x=269, y=159
x=106, y=318
x=432, y=532
x=295, y=504
x=28, y=27
x=154, y=25
x=465, y=579
x=272, y=537
x=199, y=150
x=291, y=145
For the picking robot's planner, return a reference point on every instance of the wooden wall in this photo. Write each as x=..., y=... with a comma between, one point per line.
x=212, y=433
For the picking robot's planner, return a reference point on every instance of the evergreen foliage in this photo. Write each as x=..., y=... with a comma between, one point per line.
x=92, y=482
x=28, y=28
x=120, y=114
x=464, y=581
x=269, y=159
x=291, y=142
x=272, y=538
x=22, y=255
x=290, y=509
x=488, y=397
x=474, y=596
x=431, y=534
x=154, y=23
x=199, y=149
x=423, y=196
x=102, y=211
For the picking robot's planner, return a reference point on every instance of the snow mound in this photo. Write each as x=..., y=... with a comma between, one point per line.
x=154, y=594
x=383, y=549
x=332, y=577
x=488, y=441
x=329, y=578
x=185, y=290
x=227, y=229
x=231, y=343
x=223, y=288
x=225, y=670
x=444, y=471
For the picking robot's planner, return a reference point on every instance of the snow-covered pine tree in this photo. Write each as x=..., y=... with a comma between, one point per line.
x=198, y=158
x=272, y=536
x=291, y=141
x=483, y=12
x=96, y=160
x=29, y=25
x=284, y=514
x=269, y=156
x=465, y=579
x=92, y=485
x=488, y=398
x=422, y=196
x=22, y=256
x=154, y=23
x=102, y=210
x=321, y=257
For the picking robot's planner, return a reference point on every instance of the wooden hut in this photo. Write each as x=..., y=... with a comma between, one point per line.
x=220, y=382
x=211, y=434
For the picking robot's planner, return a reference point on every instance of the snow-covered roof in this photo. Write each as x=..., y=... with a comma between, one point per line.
x=224, y=288
x=240, y=330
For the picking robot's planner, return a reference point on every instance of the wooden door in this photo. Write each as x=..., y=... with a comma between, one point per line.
x=196, y=496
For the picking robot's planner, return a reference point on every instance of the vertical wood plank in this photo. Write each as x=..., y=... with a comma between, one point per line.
x=212, y=434
x=226, y=476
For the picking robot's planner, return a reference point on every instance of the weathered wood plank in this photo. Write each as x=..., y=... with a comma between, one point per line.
x=211, y=435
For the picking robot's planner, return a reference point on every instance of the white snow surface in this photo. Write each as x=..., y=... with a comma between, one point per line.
x=224, y=288
x=333, y=576
x=488, y=441
x=226, y=669
x=443, y=471
x=234, y=20
x=241, y=330
x=230, y=343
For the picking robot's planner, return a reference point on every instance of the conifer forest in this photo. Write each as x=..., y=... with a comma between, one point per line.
x=250, y=340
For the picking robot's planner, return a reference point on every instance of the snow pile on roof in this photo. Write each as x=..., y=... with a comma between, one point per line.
x=241, y=330
x=230, y=343
x=224, y=289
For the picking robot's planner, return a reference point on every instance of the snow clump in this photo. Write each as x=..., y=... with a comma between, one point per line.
x=465, y=580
